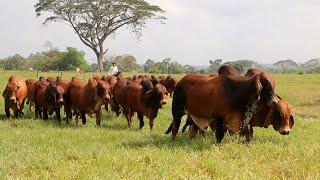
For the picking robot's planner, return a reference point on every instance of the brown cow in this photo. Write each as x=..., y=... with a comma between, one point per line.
x=227, y=99
x=145, y=99
x=14, y=96
x=189, y=82
x=30, y=97
x=169, y=83
x=48, y=98
x=279, y=114
x=86, y=98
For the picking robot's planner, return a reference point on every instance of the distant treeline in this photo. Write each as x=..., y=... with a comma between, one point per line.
x=70, y=59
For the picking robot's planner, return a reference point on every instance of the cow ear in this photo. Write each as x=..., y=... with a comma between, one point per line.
x=258, y=85
x=4, y=93
x=279, y=97
x=291, y=121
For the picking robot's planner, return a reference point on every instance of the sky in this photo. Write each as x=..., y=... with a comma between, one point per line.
x=195, y=31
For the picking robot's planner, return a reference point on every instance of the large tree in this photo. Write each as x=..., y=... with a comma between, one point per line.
x=95, y=20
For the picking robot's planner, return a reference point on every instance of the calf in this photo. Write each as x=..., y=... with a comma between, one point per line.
x=14, y=96
x=145, y=99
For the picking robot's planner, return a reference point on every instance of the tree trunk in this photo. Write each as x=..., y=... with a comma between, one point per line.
x=100, y=62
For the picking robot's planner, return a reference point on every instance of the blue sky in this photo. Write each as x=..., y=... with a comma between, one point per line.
x=195, y=31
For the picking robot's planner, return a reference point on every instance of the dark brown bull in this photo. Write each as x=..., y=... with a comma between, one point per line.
x=145, y=99
x=14, y=96
x=86, y=99
x=30, y=97
x=48, y=98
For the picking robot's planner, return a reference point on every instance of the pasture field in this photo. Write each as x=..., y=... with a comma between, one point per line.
x=33, y=148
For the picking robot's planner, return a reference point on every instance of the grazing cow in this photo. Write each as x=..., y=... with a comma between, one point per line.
x=48, y=99
x=278, y=115
x=224, y=101
x=145, y=99
x=30, y=97
x=86, y=98
x=14, y=96
x=188, y=83
x=169, y=83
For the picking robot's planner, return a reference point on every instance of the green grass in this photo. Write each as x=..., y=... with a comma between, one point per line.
x=32, y=148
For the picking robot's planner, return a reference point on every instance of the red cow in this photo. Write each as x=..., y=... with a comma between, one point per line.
x=86, y=98
x=14, y=96
x=48, y=98
x=145, y=99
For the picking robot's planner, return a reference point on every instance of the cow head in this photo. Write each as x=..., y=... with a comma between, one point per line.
x=104, y=91
x=279, y=116
x=10, y=92
x=153, y=97
x=54, y=94
x=282, y=119
x=171, y=83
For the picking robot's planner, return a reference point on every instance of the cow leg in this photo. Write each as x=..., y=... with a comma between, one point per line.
x=7, y=110
x=83, y=117
x=21, y=107
x=45, y=114
x=16, y=113
x=127, y=114
x=98, y=118
x=220, y=129
x=193, y=130
x=36, y=110
x=247, y=132
x=57, y=110
x=140, y=117
x=151, y=121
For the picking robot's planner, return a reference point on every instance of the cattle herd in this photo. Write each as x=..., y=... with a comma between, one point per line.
x=225, y=101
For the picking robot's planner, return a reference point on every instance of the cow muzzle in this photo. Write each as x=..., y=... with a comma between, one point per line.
x=13, y=99
x=285, y=131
